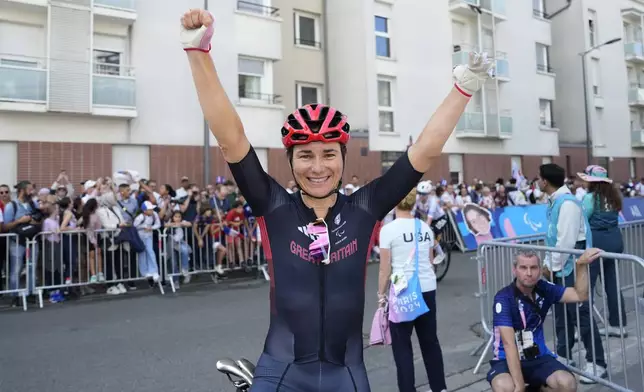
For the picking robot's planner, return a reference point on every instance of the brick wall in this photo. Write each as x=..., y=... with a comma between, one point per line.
x=486, y=168
x=619, y=168
x=41, y=162
x=169, y=163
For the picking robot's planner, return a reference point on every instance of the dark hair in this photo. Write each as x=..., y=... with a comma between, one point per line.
x=606, y=197
x=553, y=173
x=513, y=181
x=479, y=210
x=236, y=204
x=439, y=191
x=64, y=205
x=177, y=212
x=88, y=209
x=170, y=190
x=124, y=185
x=205, y=208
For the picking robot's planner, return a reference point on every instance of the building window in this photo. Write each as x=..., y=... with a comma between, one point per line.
x=251, y=75
x=383, y=44
x=307, y=30
x=631, y=168
x=592, y=28
x=388, y=158
x=543, y=57
x=545, y=113
x=595, y=76
x=107, y=62
x=308, y=93
x=385, y=105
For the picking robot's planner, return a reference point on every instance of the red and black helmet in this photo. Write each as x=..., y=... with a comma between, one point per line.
x=315, y=123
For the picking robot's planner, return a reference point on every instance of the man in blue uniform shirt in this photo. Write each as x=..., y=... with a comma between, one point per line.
x=520, y=352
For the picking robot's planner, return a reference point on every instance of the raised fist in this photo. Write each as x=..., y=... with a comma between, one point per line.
x=470, y=78
x=197, y=28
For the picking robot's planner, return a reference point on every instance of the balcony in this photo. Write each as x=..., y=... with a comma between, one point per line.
x=258, y=98
x=506, y=126
x=495, y=7
x=463, y=7
x=637, y=138
x=502, y=66
x=23, y=83
x=502, y=63
x=113, y=91
x=259, y=31
x=636, y=94
x=115, y=10
x=258, y=9
x=495, y=126
x=470, y=125
x=634, y=52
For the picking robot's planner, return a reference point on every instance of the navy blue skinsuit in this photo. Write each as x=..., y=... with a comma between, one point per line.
x=314, y=341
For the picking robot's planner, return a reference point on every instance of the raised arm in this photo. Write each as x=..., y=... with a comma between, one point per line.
x=580, y=292
x=197, y=28
x=261, y=191
x=381, y=195
x=468, y=79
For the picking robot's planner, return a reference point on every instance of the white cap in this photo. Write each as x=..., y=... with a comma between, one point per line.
x=148, y=205
x=89, y=184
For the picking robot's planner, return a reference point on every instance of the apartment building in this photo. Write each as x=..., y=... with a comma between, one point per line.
x=613, y=82
x=96, y=86
x=402, y=58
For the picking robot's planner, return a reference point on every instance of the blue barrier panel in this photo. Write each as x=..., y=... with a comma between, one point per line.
x=477, y=224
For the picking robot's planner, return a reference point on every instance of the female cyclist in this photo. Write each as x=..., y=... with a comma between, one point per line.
x=317, y=241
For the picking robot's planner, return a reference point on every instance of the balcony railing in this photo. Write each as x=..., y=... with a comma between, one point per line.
x=121, y=4
x=506, y=128
x=634, y=49
x=306, y=42
x=114, y=85
x=637, y=137
x=23, y=79
x=494, y=6
x=271, y=99
x=545, y=68
x=471, y=123
x=470, y=2
x=539, y=14
x=258, y=9
x=636, y=94
x=547, y=124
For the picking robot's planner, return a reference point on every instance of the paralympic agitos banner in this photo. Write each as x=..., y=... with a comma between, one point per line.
x=476, y=224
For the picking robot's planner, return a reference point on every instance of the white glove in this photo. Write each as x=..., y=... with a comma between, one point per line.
x=197, y=29
x=468, y=79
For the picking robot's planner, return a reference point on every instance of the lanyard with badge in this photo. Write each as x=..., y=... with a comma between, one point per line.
x=528, y=349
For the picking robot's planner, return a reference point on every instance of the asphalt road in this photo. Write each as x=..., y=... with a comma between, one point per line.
x=146, y=342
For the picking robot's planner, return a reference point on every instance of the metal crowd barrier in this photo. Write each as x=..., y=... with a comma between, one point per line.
x=185, y=255
x=68, y=259
x=495, y=262
x=14, y=260
x=65, y=260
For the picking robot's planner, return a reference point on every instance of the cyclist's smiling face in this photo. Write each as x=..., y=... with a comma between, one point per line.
x=317, y=167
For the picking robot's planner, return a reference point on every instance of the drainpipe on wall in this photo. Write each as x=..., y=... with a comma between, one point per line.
x=325, y=51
